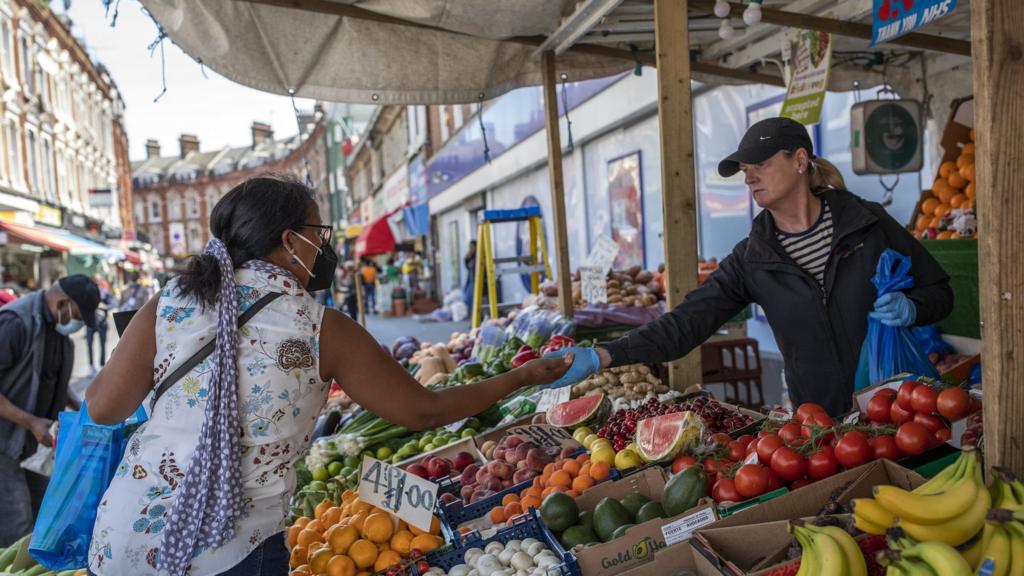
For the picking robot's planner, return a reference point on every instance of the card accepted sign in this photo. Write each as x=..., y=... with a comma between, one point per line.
x=894, y=18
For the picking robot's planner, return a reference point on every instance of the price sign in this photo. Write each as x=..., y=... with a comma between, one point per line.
x=552, y=397
x=682, y=529
x=456, y=426
x=545, y=436
x=593, y=285
x=602, y=254
x=405, y=495
x=779, y=416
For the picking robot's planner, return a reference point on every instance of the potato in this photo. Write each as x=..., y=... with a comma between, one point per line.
x=644, y=277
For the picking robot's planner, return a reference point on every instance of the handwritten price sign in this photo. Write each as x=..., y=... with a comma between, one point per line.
x=405, y=495
x=545, y=436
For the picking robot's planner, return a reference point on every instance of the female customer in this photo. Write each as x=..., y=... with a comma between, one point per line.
x=204, y=484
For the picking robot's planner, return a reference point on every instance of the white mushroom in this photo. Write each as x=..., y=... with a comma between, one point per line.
x=494, y=548
x=506, y=556
x=522, y=561
x=514, y=545
x=545, y=561
x=459, y=570
x=487, y=564
x=527, y=542
x=534, y=548
x=471, y=555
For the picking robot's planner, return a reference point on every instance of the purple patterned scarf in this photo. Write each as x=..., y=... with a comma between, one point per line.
x=209, y=499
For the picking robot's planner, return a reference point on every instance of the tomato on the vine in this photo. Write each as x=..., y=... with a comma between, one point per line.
x=682, y=462
x=715, y=465
x=879, y=408
x=884, y=447
x=788, y=464
x=752, y=446
x=774, y=482
x=913, y=438
x=815, y=420
x=822, y=463
x=943, y=434
x=766, y=447
x=953, y=403
x=721, y=438
x=853, y=450
x=903, y=397
x=737, y=451
x=899, y=415
x=790, y=432
x=932, y=423
x=745, y=439
x=724, y=490
x=806, y=409
x=800, y=484
x=751, y=480
x=924, y=399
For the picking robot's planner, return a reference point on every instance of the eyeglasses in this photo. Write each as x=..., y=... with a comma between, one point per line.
x=326, y=231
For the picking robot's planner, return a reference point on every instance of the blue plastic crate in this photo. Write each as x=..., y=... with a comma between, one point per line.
x=456, y=513
x=527, y=525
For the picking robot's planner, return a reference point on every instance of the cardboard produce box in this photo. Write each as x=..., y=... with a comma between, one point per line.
x=654, y=547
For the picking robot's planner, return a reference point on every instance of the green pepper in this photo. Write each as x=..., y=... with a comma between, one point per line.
x=472, y=369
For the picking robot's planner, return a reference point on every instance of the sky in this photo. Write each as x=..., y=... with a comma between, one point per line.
x=214, y=108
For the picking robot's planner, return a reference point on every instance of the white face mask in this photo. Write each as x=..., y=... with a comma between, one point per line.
x=71, y=326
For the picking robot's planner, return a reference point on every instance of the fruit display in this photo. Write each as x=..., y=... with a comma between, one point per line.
x=922, y=410
x=355, y=537
x=527, y=556
x=660, y=438
x=629, y=385
x=634, y=287
x=437, y=468
x=512, y=461
x=827, y=550
x=587, y=412
x=718, y=418
x=948, y=212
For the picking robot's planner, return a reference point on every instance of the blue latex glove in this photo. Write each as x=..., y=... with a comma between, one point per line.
x=585, y=362
x=894, y=309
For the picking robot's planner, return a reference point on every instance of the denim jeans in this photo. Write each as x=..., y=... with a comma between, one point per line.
x=22, y=492
x=268, y=559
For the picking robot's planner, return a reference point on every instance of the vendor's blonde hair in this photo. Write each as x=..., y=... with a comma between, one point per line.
x=822, y=174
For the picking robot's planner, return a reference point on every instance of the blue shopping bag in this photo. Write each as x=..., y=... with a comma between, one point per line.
x=87, y=457
x=889, y=350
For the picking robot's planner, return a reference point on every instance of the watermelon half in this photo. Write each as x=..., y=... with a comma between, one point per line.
x=661, y=438
x=590, y=411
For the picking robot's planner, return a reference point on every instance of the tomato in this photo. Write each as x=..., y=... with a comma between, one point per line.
x=790, y=432
x=800, y=484
x=806, y=409
x=932, y=423
x=913, y=438
x=853, y=450
x=766, y=447
x=903, y=397
x=822, y=463
x=898, y=414
x=924, y=399
x=682, y=462
x=714, y=465
x=751, y=480
x=721, y=438
x=975, y=405
x=884, y=447
x=724, y=490
x=745, y=439
x=815, y=420
x=953, y=403
x=878, y=408
x=943, y=434
x=752, y=446
x=788, y=464
x=774, y=482
x=737, y=451
x=886, y=393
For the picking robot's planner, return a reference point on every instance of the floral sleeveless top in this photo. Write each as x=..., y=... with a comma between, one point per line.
x=280, y=395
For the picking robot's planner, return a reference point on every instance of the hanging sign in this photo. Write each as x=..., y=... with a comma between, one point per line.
x=603, y=253
x=894, y=18
x=405, y=495
x=593, y=284
x=545, y=436
x=805, y=96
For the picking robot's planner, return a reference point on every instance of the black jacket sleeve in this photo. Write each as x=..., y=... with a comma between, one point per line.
x=685, y=327
x=931, y=294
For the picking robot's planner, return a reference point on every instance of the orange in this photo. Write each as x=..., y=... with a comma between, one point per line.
x=402, y=526
x=535, y=491
x=302, y=521
x=348, y=496
x=560, y=478
x=530, y=502
x=363, y=553
x=378, y=527
x=544, y=493
x=322, y=507
x=945, y=235
x=513, y=509
x=365, y=573
x=600, y=471
x=386, y=559
x=936, y=221
x=970, y=191
x=301, y=571
x=358, y=506
x=401, y=542
x=572, y=467
x=341, y=565
x=384, y=547
x=583, y=458
x=928, y=204
x=968, y=148
x=968, y=172
x=573, y=493
x=957, y=200
x=509, y=498
x=357, y=519
x=435, y=528
x=293, y=535
x=964, y=159
x=968, y=204
x=427, y=543
x=582, y=482
x=314, y=547
x=342, y=538
x=497, y=514
x=947, y=168
x=942, y=209
x=957, y=181
x=537, y=483
x=298, y=556
x=942, y=189
x=316, y=526
x=970, y=135
x=307, y=537
x=319, y=559
x=549, y=469
x=585, y=469
x=346, y=511
x=331, y=517
x=922, y=222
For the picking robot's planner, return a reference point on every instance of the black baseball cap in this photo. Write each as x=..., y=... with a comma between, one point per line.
x=765, y=139
x=83, y=292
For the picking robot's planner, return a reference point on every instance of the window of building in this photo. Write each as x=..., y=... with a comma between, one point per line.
x=28, y=81
x=7, y=45
x=155, y=212
x=195, y=238
x=49, y=188
x=192, y=204
x=140, y=211
x=173, y=206
x=33, y=162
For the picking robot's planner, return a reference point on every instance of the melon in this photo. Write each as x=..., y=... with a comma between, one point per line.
x=661, y=438
x=590, y=411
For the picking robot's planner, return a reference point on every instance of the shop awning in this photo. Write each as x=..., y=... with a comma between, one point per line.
x=376, y=239
x=417, y=219
x=82, y=246
x=353, y=231
x=21, y=234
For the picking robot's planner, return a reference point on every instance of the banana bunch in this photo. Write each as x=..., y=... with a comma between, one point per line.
x=827, y=551
x=950, y=508
x=1006, y=491
x=1000, y=551
x=908, y=558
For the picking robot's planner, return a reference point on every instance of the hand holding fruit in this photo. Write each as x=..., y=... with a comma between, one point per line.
x=545, y=370
x=585, y=362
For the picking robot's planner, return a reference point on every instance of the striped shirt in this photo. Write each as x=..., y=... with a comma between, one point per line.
x=810, y=249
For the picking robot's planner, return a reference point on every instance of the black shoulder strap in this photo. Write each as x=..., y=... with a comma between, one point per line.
x=205, y=351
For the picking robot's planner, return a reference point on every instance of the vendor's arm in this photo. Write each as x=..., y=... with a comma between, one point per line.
x=689, y=324
x=123, y=383
x=931, y=294
x=13, y=342
x=374, y=380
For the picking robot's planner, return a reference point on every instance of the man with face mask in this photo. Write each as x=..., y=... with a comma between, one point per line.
x=36, y=355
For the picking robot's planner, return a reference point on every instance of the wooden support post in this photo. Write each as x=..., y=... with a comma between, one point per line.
x=678, y=190
x=999, y=121
x=361, y=314
x=562, y=270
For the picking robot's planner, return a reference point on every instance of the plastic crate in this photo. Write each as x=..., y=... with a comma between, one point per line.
x=527, y=525
x=959, y=258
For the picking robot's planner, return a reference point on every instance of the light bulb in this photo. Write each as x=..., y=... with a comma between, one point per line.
x=722, y=8
x=726, y=31
x=752, y=15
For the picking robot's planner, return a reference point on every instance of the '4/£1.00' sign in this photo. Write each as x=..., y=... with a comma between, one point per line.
x=405, y=495
x=894, y=18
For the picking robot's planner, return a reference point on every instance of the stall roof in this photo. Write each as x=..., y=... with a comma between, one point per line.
x=437, y=51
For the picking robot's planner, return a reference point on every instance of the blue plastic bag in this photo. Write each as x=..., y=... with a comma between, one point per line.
x=87, y=457
x=888, y=350
x=930, y=340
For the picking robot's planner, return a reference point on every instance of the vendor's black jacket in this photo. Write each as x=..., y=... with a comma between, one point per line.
x=818, y=329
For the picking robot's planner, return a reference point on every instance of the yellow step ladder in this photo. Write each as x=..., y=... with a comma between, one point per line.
x=533, y=264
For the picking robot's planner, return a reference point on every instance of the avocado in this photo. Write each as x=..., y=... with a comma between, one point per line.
x=577, y=535
x=634, y=502
x=621, y=531
x=684, y=490
x=559, y=511
x=587, y=519
x=608, y=516
x=650, y=511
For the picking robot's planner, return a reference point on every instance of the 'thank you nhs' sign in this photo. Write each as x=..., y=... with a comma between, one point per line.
x=894, y=18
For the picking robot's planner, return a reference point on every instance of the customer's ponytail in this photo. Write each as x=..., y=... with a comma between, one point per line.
x=824, y=174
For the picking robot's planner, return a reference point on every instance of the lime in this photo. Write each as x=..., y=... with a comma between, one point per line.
x=366, y=453
x=441, y=441
x=316, y=486
x=581, y=434
x=334, y=468
x=429, y=447
x=395, y=459
x=627, y=459
x=405, y=452
x=603, y=454
x=346, y=472
x=468, y=433
x=384, y=452
x=353, y=461
x=320, y=473
x=424, y=441
x=473, y=423
x=589, y=439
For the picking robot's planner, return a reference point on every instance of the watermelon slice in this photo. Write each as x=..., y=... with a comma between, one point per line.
x=661, y=438
x=590, y=411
